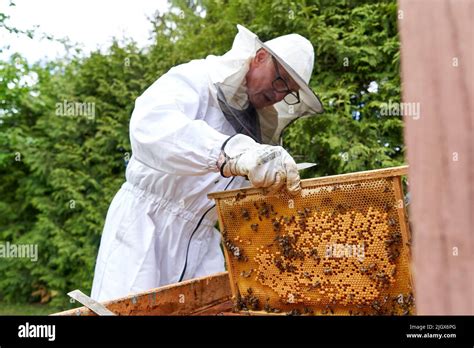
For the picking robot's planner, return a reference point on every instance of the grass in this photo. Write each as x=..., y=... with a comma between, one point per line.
x=27, y=309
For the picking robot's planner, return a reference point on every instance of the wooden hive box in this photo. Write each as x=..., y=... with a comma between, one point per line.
x=340, y=247
x=200, y=296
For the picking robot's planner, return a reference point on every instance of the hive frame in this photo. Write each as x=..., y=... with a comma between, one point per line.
x=393, y=173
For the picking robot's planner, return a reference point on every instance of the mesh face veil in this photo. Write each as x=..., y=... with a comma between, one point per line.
x=244, y=120
x=294, y=54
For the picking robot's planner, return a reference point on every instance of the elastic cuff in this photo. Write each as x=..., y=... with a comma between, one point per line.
x=221, y=162
x=223, y=158
x=215, y=152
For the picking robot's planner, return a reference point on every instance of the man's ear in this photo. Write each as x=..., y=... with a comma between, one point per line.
x=261, y=56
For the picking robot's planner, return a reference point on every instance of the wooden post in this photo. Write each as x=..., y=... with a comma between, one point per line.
x=437, y=58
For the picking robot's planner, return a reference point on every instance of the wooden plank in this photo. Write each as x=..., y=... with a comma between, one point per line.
x=217, y=309
x=404, y=224
x=233, y=286
x=437, y=61
x=402, y=215
x=186, y=298
x=326, y=180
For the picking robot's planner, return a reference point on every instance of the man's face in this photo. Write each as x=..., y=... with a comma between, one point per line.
x=259, y=78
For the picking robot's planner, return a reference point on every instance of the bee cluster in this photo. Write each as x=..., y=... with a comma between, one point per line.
x=249, y=301
x=337, y=249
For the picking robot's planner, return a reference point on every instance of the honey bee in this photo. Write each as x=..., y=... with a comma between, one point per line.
x=396, y=236
x=279, y=265
x=393, y=255
x=273, y=212
x=382, y=277
x=330, y=309
x=372, y=267
x=387, y=207
x=341, y=208
x=294, y=312
x=245, y=214
x=376, y=305
x=239, y=304
x=246, y=274
x=240, y=195
x=264, y=210
x=254, y=227
x=316, y=285
x=251, y=300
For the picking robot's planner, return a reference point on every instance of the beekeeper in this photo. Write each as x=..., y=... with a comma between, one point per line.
x=204, y=126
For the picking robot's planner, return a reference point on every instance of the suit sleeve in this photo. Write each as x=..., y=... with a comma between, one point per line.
x=167, y=132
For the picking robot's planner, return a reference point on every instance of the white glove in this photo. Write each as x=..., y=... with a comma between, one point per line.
x=265, y=165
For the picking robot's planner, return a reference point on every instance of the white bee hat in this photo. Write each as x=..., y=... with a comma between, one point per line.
x=296, y=54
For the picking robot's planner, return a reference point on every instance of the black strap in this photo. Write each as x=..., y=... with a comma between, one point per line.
x=195, y=229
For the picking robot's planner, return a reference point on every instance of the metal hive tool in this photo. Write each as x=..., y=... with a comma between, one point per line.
x=340, y=247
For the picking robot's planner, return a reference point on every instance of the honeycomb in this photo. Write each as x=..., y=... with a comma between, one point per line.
x=340, y=247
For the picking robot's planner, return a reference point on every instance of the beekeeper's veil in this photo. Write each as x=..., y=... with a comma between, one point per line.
x=294, y=53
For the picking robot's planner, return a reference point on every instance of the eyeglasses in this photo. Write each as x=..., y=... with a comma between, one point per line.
x=280, y=86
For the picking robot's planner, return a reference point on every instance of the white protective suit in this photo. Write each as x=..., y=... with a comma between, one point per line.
x=176, y=132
